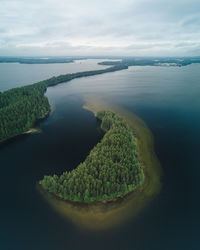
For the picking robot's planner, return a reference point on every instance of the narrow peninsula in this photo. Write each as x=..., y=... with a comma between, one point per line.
x=111, y=170
x=21, y=108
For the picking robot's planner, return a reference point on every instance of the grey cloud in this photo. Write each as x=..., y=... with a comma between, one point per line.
x=124, y=27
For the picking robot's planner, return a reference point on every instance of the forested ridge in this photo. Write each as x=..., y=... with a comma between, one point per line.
x=68, y=77
x=111, y=169
x=21, y=107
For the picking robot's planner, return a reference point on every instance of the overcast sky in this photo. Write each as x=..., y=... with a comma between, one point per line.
x=100, y=27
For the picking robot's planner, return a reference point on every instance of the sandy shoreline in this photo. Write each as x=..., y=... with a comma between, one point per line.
x=100, y=215
x=30, y=131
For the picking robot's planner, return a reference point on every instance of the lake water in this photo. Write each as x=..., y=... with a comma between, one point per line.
x=167, y=99
x=17, y=75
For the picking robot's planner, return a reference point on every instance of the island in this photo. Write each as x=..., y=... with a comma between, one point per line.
x=112, y=169
x=106, y=213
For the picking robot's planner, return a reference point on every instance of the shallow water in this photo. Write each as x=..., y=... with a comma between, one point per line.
x=98, y=216
x=167, y=99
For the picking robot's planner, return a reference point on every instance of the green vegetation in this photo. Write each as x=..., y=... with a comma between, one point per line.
x=111, y=169
x=110, y=63
x=154, y=61
x=20, y=108
x=68, y=77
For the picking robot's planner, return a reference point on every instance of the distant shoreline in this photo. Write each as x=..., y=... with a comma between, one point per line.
x=35, y=60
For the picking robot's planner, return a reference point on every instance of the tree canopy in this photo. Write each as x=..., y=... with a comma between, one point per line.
x=20, y=108
x=111, y=169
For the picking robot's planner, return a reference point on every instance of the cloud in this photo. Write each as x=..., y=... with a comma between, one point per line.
x=113, y=27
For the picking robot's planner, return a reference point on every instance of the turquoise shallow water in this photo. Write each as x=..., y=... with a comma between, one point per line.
x=167, y=99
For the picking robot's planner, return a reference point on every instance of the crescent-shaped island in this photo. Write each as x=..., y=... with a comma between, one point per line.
x=136, y=177
x=112, y=169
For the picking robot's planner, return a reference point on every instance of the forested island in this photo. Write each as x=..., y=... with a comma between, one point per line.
x=106, y=213
x=20, y=108
x=111, y=170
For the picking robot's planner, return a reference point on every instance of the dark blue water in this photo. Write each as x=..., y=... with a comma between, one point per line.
x=167, y=99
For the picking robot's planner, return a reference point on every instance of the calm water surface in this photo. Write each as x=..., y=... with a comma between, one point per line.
x=167, y=99
x=16, y=74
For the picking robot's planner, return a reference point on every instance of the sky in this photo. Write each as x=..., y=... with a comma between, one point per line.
x=99, y=27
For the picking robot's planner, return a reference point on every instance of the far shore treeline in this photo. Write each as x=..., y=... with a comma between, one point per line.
x=20, y=108
x=112, y=168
